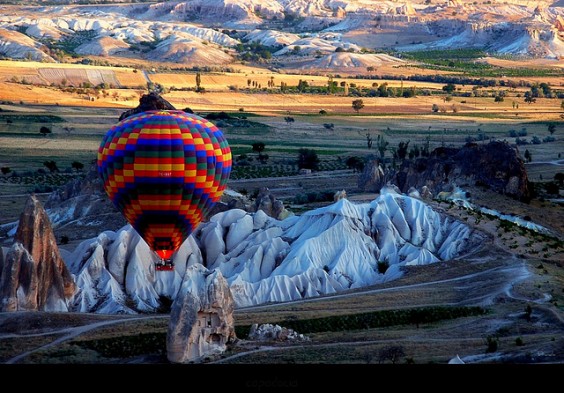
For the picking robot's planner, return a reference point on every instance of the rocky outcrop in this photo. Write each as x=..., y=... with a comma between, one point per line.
x=496, y=165
x=81, y=208
x=270, y=205
x=148, y=102
x=373, y=177
x=269, y=332
x=34, y=276
x=201, y=320
x=456, y=360
x=342, y=194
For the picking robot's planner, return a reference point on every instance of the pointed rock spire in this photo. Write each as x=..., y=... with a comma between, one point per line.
x=34, y=276
x=201, y=319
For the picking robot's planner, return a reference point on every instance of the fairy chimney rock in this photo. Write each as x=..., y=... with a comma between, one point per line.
x=201, y=320
x=34, y=277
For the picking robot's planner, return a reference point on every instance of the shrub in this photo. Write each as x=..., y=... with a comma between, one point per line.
x=551, y=187
x=44, y=131
x=307, y=158
x=51, y=165
x=392, y=353
x=358, y=105
x=549, y=138
x=528, y=312
x=492, y=344
x=77, y=165
x=355, y=163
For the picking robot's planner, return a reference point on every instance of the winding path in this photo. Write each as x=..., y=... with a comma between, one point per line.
x=517, y=272
x=70, y=333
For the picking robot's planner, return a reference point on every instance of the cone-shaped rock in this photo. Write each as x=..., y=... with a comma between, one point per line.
x=34, y=276
x=201, y=319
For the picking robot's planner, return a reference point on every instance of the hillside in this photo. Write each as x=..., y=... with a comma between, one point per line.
x=200, y=33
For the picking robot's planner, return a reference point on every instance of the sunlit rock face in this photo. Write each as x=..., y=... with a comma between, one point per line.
x=33, y=275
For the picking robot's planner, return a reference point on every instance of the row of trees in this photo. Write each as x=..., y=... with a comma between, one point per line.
x=51, y=165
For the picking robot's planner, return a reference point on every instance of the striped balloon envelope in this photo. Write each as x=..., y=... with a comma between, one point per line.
x=164, y=170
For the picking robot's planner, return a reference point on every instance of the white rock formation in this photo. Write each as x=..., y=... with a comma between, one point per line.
x=201, y=319
x=16, y=45
x=271, y=37
x=323, y=251
x=456, y=360
x=269, y=332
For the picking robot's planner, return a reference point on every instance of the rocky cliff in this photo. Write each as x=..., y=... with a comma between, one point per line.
x=33, y=275
x=201, y=320
x=495, y=165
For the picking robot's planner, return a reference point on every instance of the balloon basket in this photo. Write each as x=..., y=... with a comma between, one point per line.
x=165, y=265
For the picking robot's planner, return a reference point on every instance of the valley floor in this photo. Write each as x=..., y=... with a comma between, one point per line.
x=502, y=284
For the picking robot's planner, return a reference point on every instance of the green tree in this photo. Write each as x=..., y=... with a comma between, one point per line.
x=5, y=170
x=381, y=145
x=492, y=344
x=449, y=88
x=357, y=105
x=331, y=85
x=302, y=86
x=355, y=164
x=44, y=130
x=558, y=177
x=307, y=158
x=78, y=166
x=198, y=82
x=528, y=312
x=288, y=119
x=51, y=165
x=528, y=155
x=529, y=98
x=258, y=147
x=383, y=90
x=402, y=149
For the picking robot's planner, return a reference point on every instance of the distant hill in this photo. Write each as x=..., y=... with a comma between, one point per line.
x=217, y=32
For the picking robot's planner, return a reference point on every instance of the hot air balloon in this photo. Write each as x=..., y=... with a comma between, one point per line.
x=164, y=170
